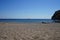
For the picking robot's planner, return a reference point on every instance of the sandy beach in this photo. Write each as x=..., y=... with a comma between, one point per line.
x=29, y=31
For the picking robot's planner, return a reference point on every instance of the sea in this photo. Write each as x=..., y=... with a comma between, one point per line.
x=27, y=20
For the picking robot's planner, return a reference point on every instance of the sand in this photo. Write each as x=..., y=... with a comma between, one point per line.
x=29, y=31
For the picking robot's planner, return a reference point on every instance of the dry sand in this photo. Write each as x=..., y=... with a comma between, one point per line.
x=29, y=31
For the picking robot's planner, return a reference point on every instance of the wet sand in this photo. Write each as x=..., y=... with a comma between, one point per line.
x=29, y=31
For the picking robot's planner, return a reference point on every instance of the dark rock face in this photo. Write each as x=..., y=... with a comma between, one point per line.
x=56, y=15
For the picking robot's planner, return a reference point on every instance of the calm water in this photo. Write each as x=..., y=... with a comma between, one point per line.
x=26, y=20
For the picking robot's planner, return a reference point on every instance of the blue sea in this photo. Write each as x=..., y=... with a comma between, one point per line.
x=26, y=20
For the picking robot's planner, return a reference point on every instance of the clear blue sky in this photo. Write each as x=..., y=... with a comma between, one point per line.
x=28, y=8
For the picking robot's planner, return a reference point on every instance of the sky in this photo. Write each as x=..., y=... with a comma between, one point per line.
x=28, y=9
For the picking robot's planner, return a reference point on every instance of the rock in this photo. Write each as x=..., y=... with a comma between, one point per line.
x=56, y=15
